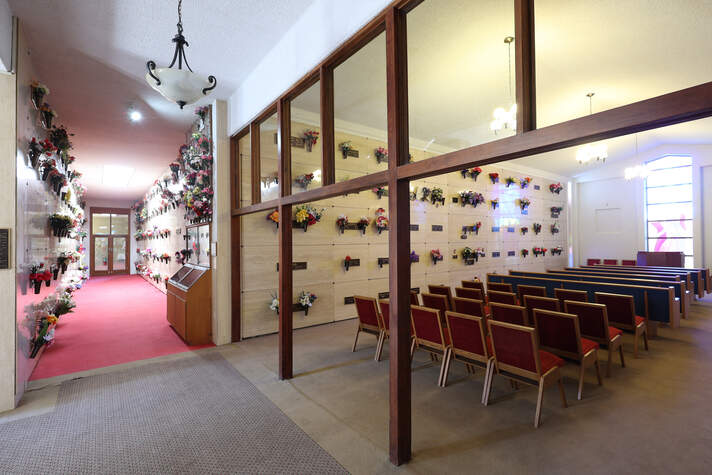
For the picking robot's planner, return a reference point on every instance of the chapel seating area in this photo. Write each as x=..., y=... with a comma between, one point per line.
x=525, y=326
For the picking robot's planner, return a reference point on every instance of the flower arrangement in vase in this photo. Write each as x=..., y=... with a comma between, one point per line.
x=554, y=229
x=381, y=155
x=44, y=333
x=346, y=148
x=274, y=304
x=413, y=194
x=556, y=251
x=476, y=227
x=47, y=115
x=436, y=256
x=414, y=257
x=362, y=224
x=524, y=230
x=536, y=227
x=48, y=166
x=510, y=181
x=471, y=197
x=341, y=222
x=175, y=168
x=60, y=139
x=307, y=215
x=38, y=91
x=37, y=276
x=525, y=252
x=347, y=263
x=524, y=182
x=380, y=191
x=556, y=188
x=425, y=193
x=467, y=255
x=305, y=301
x=555, y=210
x=494, y=203
x=494, y=178
x=304, y=180
x=524, y=204
x=381, y=221
x=202, y=112
x=37, y=149
x=539, y=251
x=436, y=196
x=471, y=172
x=274, y=217
x=61, y=224
x=311, y=137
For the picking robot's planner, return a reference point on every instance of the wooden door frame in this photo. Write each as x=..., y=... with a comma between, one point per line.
x=102, y=210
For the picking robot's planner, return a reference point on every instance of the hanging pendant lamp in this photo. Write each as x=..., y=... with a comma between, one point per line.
x=179, y=85
x=506, y=118
x=591, y=152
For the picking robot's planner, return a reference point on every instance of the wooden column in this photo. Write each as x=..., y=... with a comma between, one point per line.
x=236, y=285
x=255, y=162
x=284, y=151
x=326, y=83
x=525, y=74
x=398, y=239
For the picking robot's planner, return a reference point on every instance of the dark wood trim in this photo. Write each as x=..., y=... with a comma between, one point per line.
x=669, y=109
x=398, y=239
x=301, y=85
x=525, y=65
x=235, y=185
x=99, y=210
x=255, y=164
x=271, y=204
x=328, y=144
x=236, y=282
x=286, y=350
x=284, y=148
x=344, y=187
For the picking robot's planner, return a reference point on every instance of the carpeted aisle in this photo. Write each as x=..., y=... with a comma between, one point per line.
x=118, y=319
x=194, y=415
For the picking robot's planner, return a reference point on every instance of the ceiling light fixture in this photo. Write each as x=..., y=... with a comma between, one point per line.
x=638, y=171
x=503, y=118
x=135, y=116
x=117, y=176
x=181, y=86
x=591, y=152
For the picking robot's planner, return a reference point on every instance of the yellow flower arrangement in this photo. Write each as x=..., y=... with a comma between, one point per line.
x=51, y=319
x=302, y=215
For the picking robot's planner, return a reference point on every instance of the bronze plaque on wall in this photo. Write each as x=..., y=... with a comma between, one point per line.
x=4, y=248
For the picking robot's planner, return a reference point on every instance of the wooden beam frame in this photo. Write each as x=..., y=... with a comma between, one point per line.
x=255, y=164
x=680, y=106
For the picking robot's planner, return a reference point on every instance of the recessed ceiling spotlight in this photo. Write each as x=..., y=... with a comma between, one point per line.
x=134, y=115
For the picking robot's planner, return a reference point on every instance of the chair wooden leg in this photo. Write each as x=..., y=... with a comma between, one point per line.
x=488, y=370
x=539, y=400
x=358, y=330
x=610, y=361
x=442, y=368
x=446, y=361
x=412, y=348
x=645, y=338
x=582, y=369
x=598, y=370
x=562, y=392
x=488, y=385
x=635, y=347
x=620, y=351
x=379, y=346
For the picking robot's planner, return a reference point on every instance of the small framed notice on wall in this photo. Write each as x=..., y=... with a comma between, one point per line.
x=4, y=248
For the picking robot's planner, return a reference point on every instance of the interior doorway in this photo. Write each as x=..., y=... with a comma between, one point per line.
x=110, y=230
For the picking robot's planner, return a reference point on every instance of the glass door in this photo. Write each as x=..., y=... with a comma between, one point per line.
x=110, y=241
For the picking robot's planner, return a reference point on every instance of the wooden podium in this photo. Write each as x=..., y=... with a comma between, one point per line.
x=661, y=259
x=189, y=304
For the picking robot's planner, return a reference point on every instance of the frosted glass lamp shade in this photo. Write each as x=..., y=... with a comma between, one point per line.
x=180, y=85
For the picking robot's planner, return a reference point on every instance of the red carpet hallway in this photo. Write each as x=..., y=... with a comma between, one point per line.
x=118, y=319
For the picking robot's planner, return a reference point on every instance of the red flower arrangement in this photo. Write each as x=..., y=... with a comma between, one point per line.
x=556, y=188
x=311, y=137
x=494, y=178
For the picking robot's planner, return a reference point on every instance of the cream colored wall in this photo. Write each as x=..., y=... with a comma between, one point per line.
x=8, y=151
x=323, y=247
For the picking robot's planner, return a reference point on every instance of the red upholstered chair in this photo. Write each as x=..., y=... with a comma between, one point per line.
x=437, y=301
x=592, y=262
x=475, y=294
x=568, y=294
x=535, y=290
x=509, y=298
x=621, y=314
x=431, y=336
x=384, y=306
x=414, y=300
x=442, y=290
x=470, y=307
x=560, y=334
x=544, y=303
x=509, y=314
x=593, y=320
x=369, y=321
x=474, y=284
x=517, y=356
x=498, y=287
x=629, y=262
x=469, y=344
x=610, y=262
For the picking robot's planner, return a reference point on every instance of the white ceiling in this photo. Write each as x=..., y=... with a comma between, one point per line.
x=92, y=54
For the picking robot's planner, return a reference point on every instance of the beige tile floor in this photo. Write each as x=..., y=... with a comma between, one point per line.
x=651, y=417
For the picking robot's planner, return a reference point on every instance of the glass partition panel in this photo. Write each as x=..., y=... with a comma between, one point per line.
x=306, y=140
x=244, y=162
x=460, y=71
x=622, y=51
x=118, y=253
x=100, y=223
x=101, y=254
x=269, y=164
x=360, y=117
x=119, y=224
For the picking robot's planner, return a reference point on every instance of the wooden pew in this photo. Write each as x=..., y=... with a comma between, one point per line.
x=684, y=294
x=656, y=304
x=678, y=287
x=705, y=273
x=691, y=277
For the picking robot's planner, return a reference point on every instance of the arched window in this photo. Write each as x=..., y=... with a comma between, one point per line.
x=668, y=205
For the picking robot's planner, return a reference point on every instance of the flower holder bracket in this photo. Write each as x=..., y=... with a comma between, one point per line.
x=382, y=261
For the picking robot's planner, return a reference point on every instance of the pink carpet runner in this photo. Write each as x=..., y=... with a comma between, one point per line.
x=118, y=319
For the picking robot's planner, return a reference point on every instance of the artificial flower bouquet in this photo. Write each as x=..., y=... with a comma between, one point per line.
x=381, y=155
x=556, y=188
x=44, y=332
x=524, y=203
x=536, y=227
x=305, y=301
x=307, y=215
x=510, y=181
x=341, y=222
x=436, y=256
x=471, y=172
x=494, y=178
x=524, y=182
x=311, y=137
x=539, y=251
x=381, y=221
